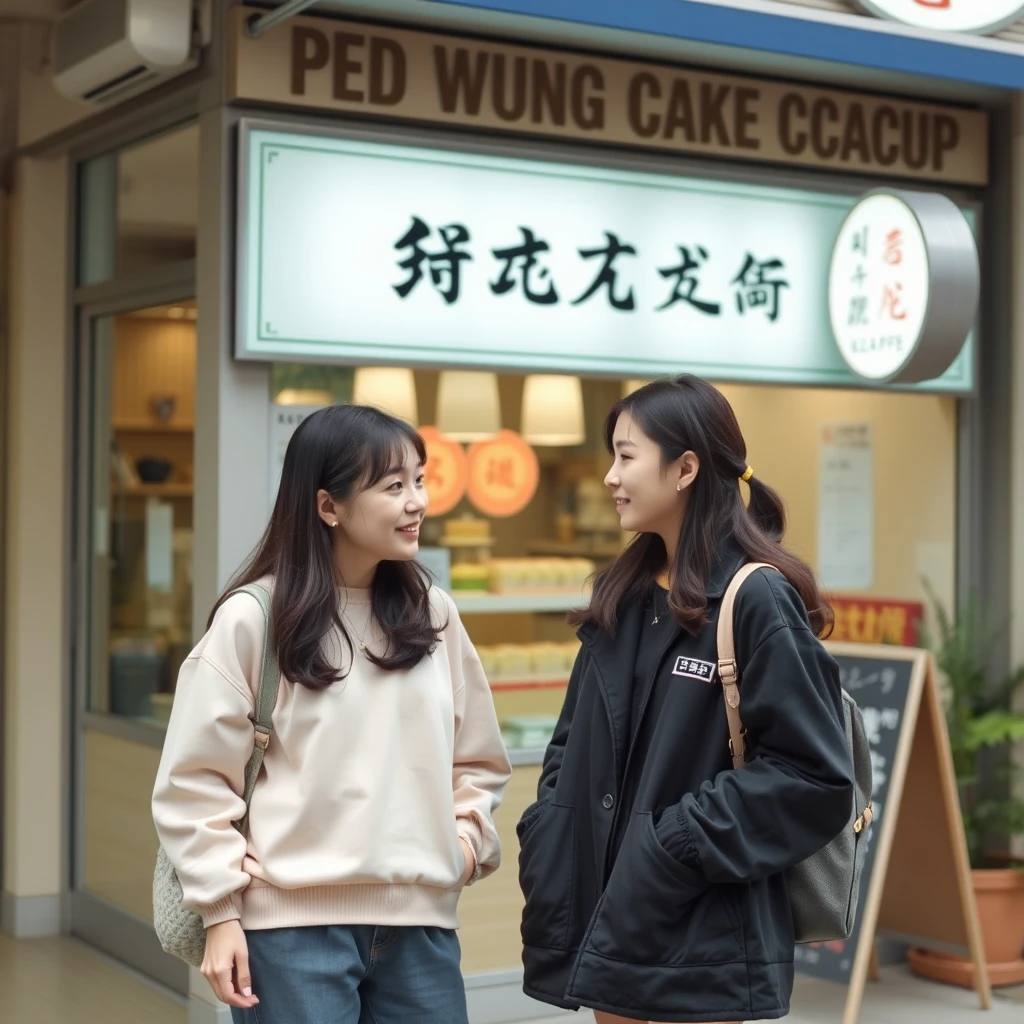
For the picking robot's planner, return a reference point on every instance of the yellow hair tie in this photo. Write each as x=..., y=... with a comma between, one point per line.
x=747, y=474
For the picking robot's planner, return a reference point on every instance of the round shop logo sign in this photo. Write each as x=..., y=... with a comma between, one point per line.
x=903, y=286
x=982, y=16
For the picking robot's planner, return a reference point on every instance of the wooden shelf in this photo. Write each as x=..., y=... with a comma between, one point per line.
x=497, y=604
x=556, y=549
x=153, y=427
x=513, y=685
x=520, y=757
x=168, y=490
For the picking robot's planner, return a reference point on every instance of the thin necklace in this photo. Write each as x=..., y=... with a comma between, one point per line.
x=360, y=637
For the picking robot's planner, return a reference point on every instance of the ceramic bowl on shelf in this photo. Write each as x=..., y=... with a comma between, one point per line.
x=152, y=470
x=163, y=407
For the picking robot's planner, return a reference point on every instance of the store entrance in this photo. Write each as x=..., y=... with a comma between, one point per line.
x=137, y=373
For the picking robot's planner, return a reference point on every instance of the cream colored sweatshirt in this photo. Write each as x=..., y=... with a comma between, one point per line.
x=365, y=790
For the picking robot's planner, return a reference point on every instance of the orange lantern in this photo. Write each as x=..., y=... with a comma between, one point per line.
x=503, y=474
x=447, y=471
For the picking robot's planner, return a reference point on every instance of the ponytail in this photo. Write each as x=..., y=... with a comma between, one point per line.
x=766, y=510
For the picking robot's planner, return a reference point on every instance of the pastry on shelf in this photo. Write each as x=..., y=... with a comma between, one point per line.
x=512, y=661
x=470, y=577
x=539, y=575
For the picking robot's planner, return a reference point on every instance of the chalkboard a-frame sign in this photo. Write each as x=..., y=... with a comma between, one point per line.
x=916, y=884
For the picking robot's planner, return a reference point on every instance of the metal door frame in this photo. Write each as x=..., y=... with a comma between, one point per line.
x=112, y=929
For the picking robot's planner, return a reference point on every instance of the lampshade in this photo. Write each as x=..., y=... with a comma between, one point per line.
x=629, y=386
x=303, y=396
x=468, y=407
x=553, y=411
x=389, y=388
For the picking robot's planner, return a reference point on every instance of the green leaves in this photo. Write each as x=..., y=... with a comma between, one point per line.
x=993, y=730
x=982, y=725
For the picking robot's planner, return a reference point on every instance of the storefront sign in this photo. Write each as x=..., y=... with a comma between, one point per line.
x=903, y=286
x=447, y=472
x=868, y=621
x=371, y=254
x=503, y=475
x=424, y=76
x=982, y=16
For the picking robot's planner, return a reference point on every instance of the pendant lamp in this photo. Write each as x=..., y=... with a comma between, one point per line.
x=391, y=389
x=468, y=406
x=553, y=411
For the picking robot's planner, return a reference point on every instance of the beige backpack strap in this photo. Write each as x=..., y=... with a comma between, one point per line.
x=728, y=670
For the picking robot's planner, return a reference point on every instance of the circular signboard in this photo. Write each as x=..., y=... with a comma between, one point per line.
x=903, y=286
x=446, y=472
x=503, y=474
x=982, y=16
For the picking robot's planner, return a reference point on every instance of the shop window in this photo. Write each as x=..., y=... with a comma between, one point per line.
x=143, y=381
x=139, y=207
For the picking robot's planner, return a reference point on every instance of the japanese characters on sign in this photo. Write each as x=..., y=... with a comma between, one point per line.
x=503, y=474
x=981, y=16
x=867, y=621
x=757, y=285
x=415, y=75
x=361, y=252
x=903, y=286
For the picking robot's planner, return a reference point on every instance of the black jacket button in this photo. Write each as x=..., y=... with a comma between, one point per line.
x=608, y=802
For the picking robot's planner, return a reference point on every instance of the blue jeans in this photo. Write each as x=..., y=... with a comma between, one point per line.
x=355, y=974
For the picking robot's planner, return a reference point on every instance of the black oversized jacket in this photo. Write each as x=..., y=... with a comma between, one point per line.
x=653, y=876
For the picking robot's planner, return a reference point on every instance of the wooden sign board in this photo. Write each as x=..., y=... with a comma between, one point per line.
x=916, y=884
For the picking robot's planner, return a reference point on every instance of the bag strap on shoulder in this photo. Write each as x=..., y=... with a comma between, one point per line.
x=266, y=699
x=728, y=668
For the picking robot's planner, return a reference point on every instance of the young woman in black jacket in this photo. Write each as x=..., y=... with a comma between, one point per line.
x=653, y=871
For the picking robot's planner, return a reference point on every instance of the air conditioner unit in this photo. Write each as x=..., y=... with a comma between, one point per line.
x=107, y=50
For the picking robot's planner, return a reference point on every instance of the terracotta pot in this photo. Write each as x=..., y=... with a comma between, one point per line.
x=1000, y=899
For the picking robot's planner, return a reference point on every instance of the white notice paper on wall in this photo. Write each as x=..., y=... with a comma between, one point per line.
x=846, y=506
x=159, y=546
x=284, y=421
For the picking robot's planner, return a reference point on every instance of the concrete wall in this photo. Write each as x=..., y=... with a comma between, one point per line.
x=35, y=741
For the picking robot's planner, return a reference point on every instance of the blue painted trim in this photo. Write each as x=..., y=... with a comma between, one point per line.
x=775, y=33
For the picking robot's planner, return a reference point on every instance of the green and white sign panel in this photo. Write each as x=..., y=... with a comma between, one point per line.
x=365, y=253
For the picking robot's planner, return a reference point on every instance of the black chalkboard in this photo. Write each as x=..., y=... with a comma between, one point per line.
x=880, y=687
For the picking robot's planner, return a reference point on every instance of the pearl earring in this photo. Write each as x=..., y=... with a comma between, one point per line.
x=679, y=487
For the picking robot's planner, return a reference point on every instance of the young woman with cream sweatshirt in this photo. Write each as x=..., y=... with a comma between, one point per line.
x=374, y=807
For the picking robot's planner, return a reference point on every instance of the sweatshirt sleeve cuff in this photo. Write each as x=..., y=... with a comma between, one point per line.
x=673, y=833
x=227, y=909
x=470, y=833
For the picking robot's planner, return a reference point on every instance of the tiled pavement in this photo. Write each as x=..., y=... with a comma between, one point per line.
x=55, y=981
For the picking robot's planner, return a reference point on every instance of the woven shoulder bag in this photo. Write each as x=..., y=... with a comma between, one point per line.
x=181, y=931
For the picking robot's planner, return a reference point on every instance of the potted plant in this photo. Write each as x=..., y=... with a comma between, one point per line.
x=982, y=730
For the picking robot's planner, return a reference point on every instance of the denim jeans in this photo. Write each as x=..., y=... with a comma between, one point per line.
x=356, y=974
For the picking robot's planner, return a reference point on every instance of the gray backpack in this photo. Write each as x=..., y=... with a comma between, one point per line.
x=824, y=889
x=181, y=931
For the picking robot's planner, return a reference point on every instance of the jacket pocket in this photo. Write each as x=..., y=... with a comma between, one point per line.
x=530, y=817
x=659, y=912
x=546, y=875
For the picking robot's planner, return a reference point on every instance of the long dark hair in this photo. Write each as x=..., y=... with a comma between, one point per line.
x=343, y=449
x=686, y=414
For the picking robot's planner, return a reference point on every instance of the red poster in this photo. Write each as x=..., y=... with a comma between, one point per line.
x=877, y=621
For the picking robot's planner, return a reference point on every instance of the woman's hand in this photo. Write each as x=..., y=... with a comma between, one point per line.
x=470, y=857
x=226, y=965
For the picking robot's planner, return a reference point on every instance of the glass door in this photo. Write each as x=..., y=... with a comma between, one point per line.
x=137, y=411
